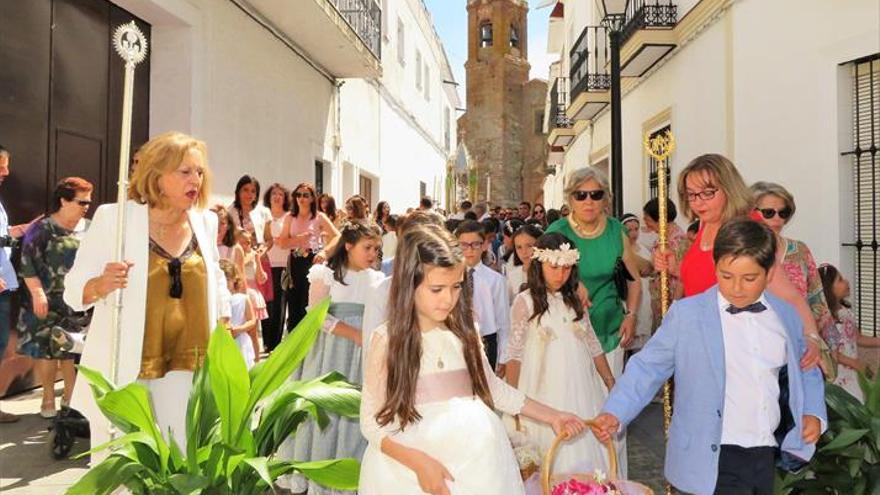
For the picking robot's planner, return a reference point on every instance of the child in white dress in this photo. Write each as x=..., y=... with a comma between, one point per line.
x=550, y=347
x=248, y=261
x=429, y=393
x=242, y=318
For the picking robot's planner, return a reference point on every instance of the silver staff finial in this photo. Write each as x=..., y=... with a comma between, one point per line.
x=130, y=43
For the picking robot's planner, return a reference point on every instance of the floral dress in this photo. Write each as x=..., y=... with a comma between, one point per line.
x=800, y=268
x=843, y=338
x=678, y=244
x=47, y=253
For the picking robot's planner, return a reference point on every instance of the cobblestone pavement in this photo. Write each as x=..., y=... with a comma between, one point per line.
x=646, y=447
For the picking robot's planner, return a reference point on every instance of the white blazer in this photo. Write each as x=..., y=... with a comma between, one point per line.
x=96, y=250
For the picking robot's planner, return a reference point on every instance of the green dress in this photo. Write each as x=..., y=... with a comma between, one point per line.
x=596, y=271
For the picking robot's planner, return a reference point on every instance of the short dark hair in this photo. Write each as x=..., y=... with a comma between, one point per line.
x=491, y=225
x=526, y=203
x=470, y=215
x=470, y=227
x=746, y=237
x=467, y=205
x=652, y=209
x=67, y=188
x=267, y=197
x=5, y=152
x=392, y=220
x=426, y=202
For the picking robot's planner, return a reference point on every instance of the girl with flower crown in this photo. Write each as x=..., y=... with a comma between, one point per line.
x=550, y=345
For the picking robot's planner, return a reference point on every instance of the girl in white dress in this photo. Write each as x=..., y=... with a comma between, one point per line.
x=348, y=280
x=248, y=262
x=242, y=318
x=550, y=345
x=522, y=242
x=429, y=393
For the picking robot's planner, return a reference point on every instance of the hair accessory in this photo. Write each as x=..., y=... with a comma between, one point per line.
x=564, y=256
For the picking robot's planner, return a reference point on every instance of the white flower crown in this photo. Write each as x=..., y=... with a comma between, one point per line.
x=564, y=256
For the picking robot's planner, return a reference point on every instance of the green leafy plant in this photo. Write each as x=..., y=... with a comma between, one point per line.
x=847, y=459
x=236, y=421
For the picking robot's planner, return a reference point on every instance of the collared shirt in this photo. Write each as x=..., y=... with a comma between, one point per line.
x=491, y=306
x=754, y=352
x=7, y=272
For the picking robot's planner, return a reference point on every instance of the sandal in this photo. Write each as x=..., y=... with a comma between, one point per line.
x=6, y=417
x=47, y=409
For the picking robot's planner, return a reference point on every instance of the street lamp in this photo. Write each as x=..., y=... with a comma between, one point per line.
x=614, y=12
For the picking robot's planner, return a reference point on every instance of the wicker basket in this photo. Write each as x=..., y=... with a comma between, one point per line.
x=625, y=487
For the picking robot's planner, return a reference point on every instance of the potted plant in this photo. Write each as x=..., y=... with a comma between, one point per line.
x=847, y=459
x=236, y=420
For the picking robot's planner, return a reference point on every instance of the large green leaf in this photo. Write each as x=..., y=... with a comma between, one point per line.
x=188, y=484
x=131, y=404
x=330, y=393
x=281, y=418
x=338, y=474
x=260, y=465
x=287, y=356
x=106, y=477
x=230, y=384
x=129, y=438
x=844, y=405
x=99, y=384
x=844, y=439
x=202, y=416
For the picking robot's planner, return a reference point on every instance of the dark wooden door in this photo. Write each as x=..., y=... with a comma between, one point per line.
x=61, y=98
x=60, y=110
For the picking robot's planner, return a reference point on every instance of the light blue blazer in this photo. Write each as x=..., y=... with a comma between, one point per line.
x=689, y=345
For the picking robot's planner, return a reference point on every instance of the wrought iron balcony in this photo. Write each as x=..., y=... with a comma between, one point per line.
x=649, y=14
x=559, y=103
x=365, y=18
x=588, y=62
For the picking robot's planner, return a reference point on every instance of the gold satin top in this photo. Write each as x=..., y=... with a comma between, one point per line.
x=175, y=330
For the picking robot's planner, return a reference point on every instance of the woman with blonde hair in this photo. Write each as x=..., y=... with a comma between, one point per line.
x=175, y=292
x=711, y=189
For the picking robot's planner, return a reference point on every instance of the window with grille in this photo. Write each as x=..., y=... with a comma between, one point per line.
x=865, y=160
x=653, y=189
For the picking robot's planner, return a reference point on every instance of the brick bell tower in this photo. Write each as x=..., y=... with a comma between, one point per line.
x=496, y=119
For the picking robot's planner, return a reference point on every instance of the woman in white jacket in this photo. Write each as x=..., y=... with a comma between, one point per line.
x=174, y=292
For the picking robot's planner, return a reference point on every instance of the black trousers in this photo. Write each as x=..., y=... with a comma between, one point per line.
x=745, y=471
x=273, y=326
x=298, y=296
x=490, y=345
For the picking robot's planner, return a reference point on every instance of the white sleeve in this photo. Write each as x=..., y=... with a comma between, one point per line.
x=502, y=315
x=94, y=252
x=373, y=393
x=224, y=298
x=593, y=343
x=506, y=398
x=320, y=280
x=519, y=324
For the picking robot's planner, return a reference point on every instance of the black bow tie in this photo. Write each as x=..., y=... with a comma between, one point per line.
x=755, y=307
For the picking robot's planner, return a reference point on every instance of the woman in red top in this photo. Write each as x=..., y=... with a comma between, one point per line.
x=711, y=189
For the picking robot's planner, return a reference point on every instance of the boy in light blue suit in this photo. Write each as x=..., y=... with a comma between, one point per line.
x=742, y=402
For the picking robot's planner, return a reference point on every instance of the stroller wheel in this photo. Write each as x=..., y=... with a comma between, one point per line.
x=62, y=442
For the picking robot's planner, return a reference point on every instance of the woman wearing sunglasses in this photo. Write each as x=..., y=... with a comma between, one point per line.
x=175, y=294
x=539, y=215
x=48, y=250
x=711, y=190
x=601, y=241
x=776, y=206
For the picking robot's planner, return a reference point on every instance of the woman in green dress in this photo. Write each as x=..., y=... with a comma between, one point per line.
x=601, y=241
x=46, y=321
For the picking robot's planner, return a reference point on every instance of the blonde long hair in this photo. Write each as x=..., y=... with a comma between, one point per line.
x=722, y=175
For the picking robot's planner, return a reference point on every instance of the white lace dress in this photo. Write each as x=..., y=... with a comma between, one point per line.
x=556, y=355
x=456, y=428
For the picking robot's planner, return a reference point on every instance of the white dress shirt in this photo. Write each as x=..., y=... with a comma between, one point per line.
x=754, y=351
x=491, y=306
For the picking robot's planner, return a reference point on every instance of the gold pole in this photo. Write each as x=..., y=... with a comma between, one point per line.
x=659, y=148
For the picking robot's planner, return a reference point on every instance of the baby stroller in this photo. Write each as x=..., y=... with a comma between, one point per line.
x=68, y=423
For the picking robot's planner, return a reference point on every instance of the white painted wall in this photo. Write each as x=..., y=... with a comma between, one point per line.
x=763, y=86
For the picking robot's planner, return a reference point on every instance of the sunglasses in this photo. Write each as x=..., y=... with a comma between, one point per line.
x=596, y=195
x=705, y=195
x=539, y=212
x=769, y=213
x=83, y=202
x=303, y=195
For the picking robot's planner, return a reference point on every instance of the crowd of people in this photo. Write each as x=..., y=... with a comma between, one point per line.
x=549, y=316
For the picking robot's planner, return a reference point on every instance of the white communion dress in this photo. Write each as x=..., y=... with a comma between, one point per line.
x=456, y=428
x=556, y=355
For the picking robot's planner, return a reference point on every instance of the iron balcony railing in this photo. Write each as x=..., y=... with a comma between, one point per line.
x=365, y=18
x=648, y=14
x=559, y=102
x=589, y=71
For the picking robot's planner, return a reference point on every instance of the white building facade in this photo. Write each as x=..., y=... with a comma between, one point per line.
x=306, y=91
x=776, y=86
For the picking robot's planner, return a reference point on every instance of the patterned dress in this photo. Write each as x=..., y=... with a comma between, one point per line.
x=47, y=253
x=800, y=268
x=843, y=338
